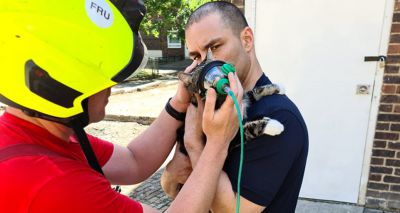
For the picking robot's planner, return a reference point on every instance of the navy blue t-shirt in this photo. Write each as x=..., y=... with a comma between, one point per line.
x=273, y=166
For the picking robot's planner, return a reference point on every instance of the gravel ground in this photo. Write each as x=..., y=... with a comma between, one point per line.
x=116, y=132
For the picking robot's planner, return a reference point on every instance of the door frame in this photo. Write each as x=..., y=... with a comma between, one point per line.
x=375, y=101
x=251, y=16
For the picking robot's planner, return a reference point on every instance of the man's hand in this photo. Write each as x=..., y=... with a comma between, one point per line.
x=221, y=125
x=181, y=99
x=176, y=173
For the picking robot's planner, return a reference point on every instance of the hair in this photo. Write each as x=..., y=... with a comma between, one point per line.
x=231, y=16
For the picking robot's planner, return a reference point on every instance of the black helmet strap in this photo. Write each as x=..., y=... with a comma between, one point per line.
x=78, y=125
x=87, y=149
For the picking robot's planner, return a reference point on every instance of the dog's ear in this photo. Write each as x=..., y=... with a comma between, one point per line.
x=186, y=78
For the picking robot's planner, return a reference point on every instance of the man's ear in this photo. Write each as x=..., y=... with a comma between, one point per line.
x=247, y=39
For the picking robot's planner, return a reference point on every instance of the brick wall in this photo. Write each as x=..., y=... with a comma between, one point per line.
x=153, y=43
x=383, y=188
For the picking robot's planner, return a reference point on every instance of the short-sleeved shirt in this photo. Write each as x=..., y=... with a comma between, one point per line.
x=55, y=183
x=273, y=166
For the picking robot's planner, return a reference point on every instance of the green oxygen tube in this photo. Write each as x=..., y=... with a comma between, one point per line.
x=230, y=93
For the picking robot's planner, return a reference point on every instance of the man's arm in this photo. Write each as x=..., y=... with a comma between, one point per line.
x=219, y=127
x=225, y=197
x=145, y=153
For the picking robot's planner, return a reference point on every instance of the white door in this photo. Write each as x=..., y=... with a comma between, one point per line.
x=316, y=49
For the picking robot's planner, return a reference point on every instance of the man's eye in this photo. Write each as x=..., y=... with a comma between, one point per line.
x=213, y=48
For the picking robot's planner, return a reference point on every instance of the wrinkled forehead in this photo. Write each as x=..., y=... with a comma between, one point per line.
x=208, y=28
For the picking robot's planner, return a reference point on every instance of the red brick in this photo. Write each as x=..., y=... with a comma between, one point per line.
x=391, y=179
x=394, y=49
x=386, y=136
x=383, y=153
x=390, y=98
x=394, y=145
x=381, y=170
x=379, y=144
x=398, y=89
x=389, y=117
x=389, y=89
x=390, y=195
x=377, y=161
x=378, y=186
x=394, y=38
x=395, y=127
x=391, y=79
x=396, y=17
x=374, y=203
x=397, y=108
x=387, y=195
x=390, y=69
x=397, y=6
x=375, y=177
x=386, y=107
x=382, y=126
x=395, y=188
x=395, y=28
x=393, y=59
x=395, y=163
x=372, y=193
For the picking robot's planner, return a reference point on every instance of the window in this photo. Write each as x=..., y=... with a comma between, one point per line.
x=173, y=40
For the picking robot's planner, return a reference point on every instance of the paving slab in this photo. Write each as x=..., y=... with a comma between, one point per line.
x=313, y=206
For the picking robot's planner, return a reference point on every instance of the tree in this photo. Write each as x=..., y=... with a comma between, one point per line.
x=165, y=17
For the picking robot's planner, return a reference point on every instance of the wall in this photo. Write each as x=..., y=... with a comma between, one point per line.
x=383, y=189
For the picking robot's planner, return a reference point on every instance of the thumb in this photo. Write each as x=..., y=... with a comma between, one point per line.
x=191, y=67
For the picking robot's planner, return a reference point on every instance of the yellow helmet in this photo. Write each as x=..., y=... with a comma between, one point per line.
x=55, y=54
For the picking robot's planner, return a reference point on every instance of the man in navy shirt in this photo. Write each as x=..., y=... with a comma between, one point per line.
x=273, y=166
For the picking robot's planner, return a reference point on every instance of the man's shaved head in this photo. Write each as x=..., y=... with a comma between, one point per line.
x=231, y=16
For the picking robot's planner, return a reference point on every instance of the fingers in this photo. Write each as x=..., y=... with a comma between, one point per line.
x=209, y=105
x=191, y=67
x=238, y=91
x=235, y=86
